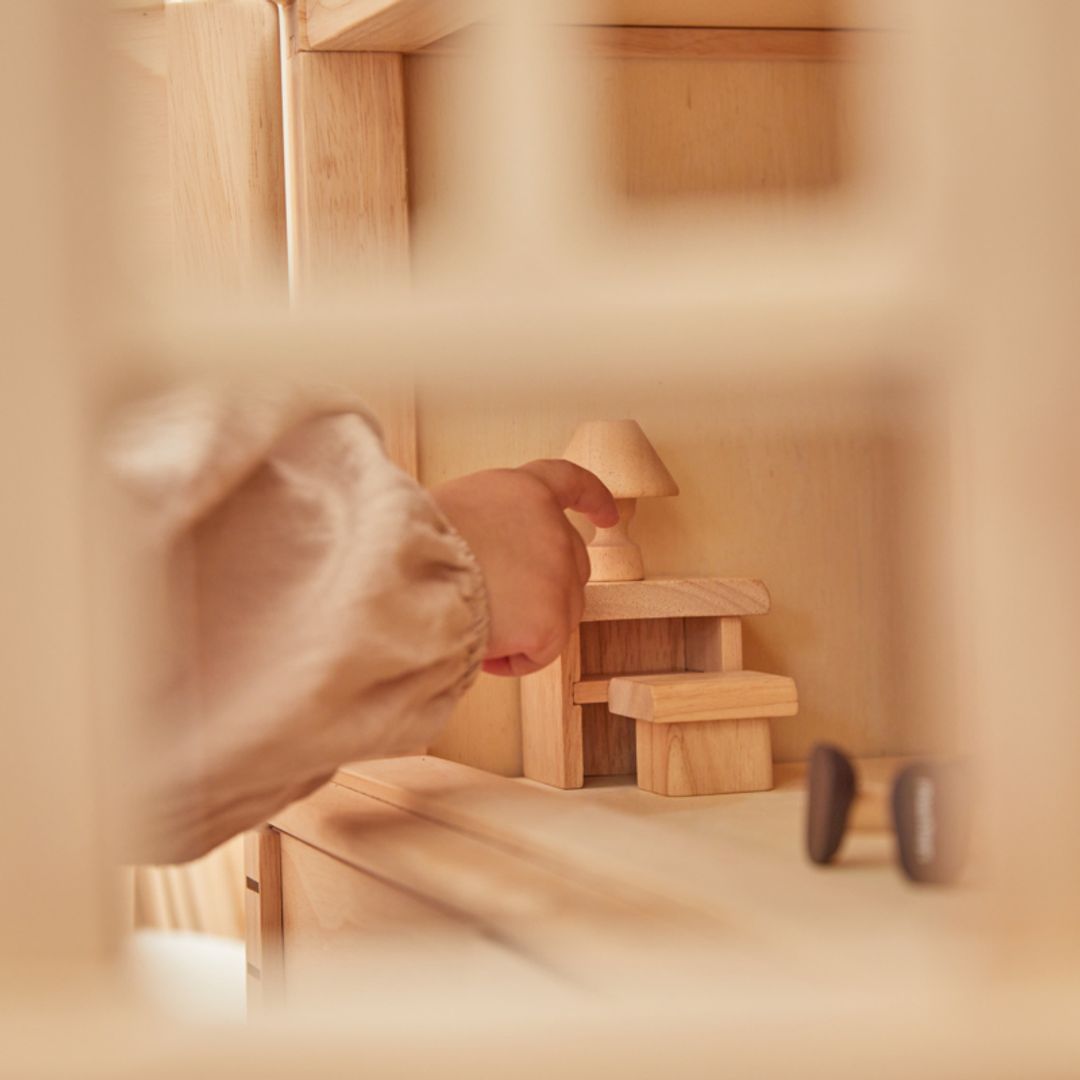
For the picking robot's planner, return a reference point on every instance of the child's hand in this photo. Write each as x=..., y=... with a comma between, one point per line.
x=533, y=560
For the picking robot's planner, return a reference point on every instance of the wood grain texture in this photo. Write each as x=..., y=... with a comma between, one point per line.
x=679, y=42
x=661, y=598
x=551, y=724
x=612, y=648
x=410, y=25
x=393, y=26
x=263, y=910
x=704, y=758
x=695, y=696
x=349, y=204
x=226, y=146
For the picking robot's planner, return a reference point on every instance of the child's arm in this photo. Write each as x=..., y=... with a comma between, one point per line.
x=323, y=607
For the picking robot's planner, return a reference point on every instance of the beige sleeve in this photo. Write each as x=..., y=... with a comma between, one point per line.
x=320, y=607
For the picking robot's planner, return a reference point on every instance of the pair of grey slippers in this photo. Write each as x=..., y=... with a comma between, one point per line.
x=930, y=811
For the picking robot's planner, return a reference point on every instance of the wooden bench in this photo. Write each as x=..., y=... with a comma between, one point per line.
x=703, y=733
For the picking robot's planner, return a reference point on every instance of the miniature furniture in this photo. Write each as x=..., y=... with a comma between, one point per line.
x=652, y=683
x=618, y=452
x=704, y=734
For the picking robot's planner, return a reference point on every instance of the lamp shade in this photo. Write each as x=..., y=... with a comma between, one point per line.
x=619, y=453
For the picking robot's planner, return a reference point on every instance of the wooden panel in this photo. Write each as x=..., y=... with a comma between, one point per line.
x=226, y=145
x=349, y=204
x=753, y=130
x=408, y=25
x=695, y=696
x=660, y=598
x=674, y=42
x=704, y=758
x=551, y=724
x=351, y=230
x=383, y=25
x=613, y=648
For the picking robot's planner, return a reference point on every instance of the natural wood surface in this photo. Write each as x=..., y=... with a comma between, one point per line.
x=664, y=598
x=613, y=648
x=692, y=696
x=226, y=146
x=680, y=42
x=349, y=205
x=263, y=908
x=710, y=758
x=382, y=25
x=736, y=858
x=341, y=923
x=620, y=454
x=551, y=732
x=409, y=25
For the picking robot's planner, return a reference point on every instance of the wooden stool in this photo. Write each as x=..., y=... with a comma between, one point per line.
x=703, y=733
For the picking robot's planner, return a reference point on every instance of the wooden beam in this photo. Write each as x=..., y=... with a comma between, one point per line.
x=689, y=697
x=383, y=25
x=551, y=728
x=682, y=43
x=413, y=25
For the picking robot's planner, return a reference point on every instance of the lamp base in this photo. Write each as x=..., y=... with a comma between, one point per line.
x=621, y=563
x=613, y=556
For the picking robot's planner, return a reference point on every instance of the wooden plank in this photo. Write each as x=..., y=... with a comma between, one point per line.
x=615, y=648
x=411, y=25
x=263, y=912
x=693, y=696
x=226, y=146
x=704, y=758
x=467, y=876
x=393, y=26
x=592, y=691
x=664, y=598
x=551, y=727
x=679, y=42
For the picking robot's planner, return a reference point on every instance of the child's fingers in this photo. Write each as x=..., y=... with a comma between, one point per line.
x=576, y=488
x=511, y=666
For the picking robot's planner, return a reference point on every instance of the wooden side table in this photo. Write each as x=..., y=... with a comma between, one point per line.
x=659, y=626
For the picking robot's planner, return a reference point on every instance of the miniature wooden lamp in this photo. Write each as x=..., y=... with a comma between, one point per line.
x=619, y=453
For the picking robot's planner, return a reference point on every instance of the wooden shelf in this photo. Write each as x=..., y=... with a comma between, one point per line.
x=412, y=25
x=735, y=861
